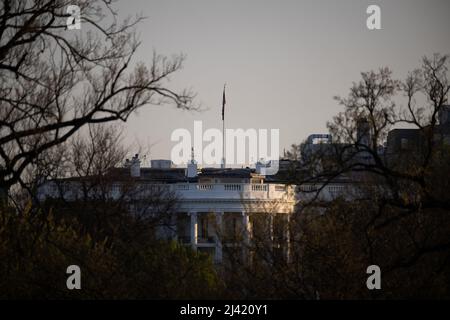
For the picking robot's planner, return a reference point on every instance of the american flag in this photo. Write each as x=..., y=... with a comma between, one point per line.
x=223, y=103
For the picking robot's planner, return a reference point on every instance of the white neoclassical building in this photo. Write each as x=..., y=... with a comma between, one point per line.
x=218, y=210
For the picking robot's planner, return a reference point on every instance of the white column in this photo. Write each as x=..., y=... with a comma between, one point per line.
x=246, y=231
x=219, y=235
x=246, y=227
x=174, y=226
x=271, y=217
x=194, y=229
x=270, y=240
x=287, y=238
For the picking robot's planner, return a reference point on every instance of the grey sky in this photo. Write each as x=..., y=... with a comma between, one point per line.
x=283, y=60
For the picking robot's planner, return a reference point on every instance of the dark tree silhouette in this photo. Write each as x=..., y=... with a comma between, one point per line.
x=54, y=81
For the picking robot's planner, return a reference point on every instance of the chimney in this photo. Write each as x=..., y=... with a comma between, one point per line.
x=135, y=166
x=261, y=167
x=191, y=170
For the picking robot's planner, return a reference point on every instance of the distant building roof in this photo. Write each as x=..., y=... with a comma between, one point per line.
x=173, y=175
x=168, y=175
x=227, y=172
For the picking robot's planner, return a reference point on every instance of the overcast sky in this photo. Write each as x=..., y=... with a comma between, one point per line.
x=282, y=60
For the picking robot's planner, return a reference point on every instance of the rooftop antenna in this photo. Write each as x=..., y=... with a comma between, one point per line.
x=191, y=169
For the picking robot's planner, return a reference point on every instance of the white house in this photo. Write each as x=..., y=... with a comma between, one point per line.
x=217, y=209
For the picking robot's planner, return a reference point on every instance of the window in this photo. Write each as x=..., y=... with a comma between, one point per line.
x=205, y=228
x=183, y=227
x=232, y=227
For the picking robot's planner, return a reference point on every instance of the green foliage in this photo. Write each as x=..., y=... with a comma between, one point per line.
x=36, y=249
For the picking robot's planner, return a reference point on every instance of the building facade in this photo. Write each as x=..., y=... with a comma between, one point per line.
x=217, y=210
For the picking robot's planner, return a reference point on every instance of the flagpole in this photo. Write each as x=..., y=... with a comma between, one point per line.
x=223, y=143
x=223, y=127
